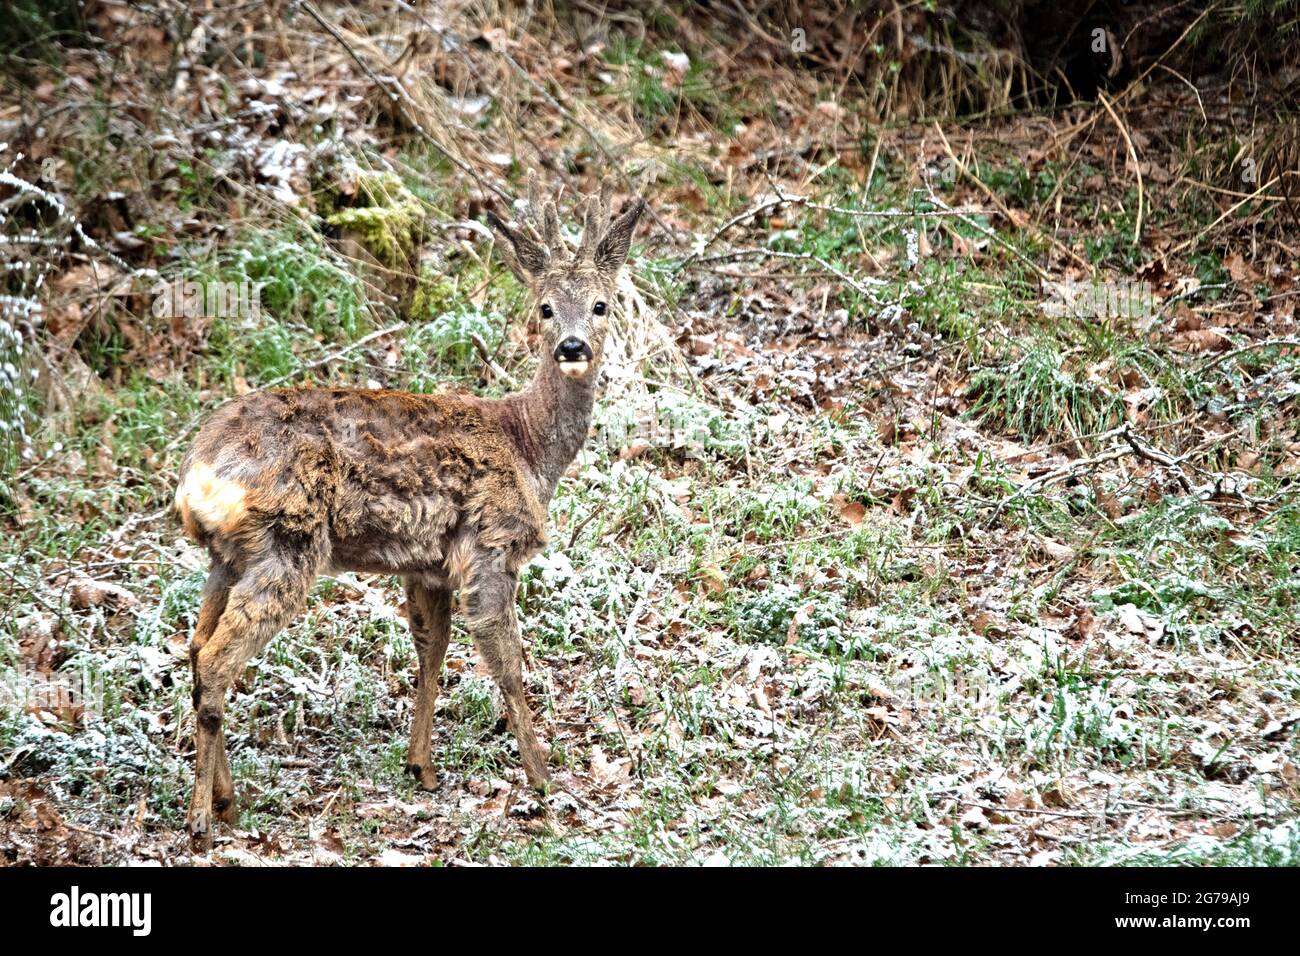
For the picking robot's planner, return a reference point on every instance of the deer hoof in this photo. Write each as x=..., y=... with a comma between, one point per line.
x=539, y=780
x=426, y=775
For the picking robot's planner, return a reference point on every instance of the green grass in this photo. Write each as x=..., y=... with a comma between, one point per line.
x=34, y=30
x=1038, y=395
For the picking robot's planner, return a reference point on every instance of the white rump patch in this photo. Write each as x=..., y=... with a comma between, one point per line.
x=215, y=502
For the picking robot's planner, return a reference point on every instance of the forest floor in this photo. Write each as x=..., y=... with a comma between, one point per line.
x=894, y=542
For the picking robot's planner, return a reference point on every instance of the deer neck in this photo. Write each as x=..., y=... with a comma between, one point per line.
x=551, y=418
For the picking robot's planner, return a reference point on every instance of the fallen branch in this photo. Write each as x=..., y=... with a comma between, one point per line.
x=748, y=214
x=1148, y=452
x=1253, y=347
x=1074, y=469
x=1219, y=484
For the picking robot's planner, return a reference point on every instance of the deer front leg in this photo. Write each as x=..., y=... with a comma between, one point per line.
x=428, y=610
x=490, y=609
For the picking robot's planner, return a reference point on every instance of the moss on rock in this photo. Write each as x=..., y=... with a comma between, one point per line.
x=390, y=221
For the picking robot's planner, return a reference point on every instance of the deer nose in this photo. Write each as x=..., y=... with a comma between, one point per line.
x=573, y=349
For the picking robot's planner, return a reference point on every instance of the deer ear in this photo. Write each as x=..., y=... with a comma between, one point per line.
x=612, y=249
x=526, y=258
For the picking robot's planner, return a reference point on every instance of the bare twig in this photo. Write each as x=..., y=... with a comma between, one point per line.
x=1035, y=267
x=782, y=199
x=1002, y=207
x=1132, y=152
x=745, y=216
x=1073, y=469
x=1252, y=347
x=1191, y=243
x=577, y=529
x=856, y=285
x=333, y=356
x=481, y=347
x=400, y=98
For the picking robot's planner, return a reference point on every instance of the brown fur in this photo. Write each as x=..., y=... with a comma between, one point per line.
x=449, y=491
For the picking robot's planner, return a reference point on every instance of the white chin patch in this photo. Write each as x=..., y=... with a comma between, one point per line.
x=575, y=368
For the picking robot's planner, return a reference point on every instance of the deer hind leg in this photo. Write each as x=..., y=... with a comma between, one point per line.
x=215, y=594
x=268, y=595
x=490, y=610
x=429, y=613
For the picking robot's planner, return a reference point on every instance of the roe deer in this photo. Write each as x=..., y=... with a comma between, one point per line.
x=448, y=490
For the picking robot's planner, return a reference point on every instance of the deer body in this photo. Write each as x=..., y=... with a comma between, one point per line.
x=449, y=491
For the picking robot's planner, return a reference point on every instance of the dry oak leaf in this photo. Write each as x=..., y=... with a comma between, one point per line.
x=852, y=512
x=85, y=593
x=1201, y=340
x=1086, y=623
x=1240, y=270
x=1054, y=549
x=713, y=578
x=606, y=772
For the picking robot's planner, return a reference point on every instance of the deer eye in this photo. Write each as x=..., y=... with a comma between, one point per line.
x=598, y=308
x=546, y=311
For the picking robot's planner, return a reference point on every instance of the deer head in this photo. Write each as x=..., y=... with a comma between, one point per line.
x=572, y=289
